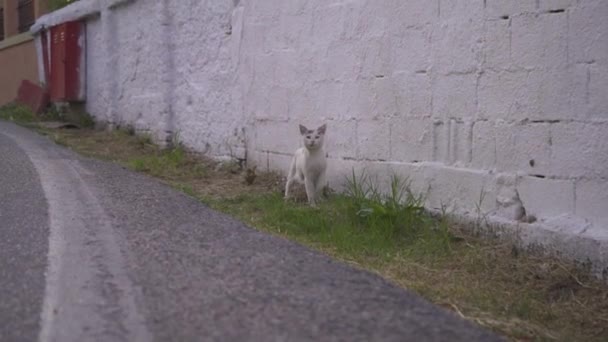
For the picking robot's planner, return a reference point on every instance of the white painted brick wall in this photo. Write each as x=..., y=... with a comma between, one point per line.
x=448, y=93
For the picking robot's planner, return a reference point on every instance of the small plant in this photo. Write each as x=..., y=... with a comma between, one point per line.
x=399, y=212
x=17, y=113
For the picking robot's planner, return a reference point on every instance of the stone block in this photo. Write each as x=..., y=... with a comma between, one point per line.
x=555, y=5
x=413, y=94
x=592, y=201
x=484, y=145
x=410, y=50
x=598, y=90
x=499, y=8
x=587, y=38
x=461, y=191
x=540, y=41
x=524, y=147
x=580, y=149
x=373, y=140
x=411, y=139
x=497, y=47
x=543, y=197
x=507, y=95
x=277, y=137
x=341, y=139
x=455, y=96
x=457, y=46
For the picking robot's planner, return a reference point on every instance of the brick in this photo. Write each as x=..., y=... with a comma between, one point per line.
x=507, y=95
x=524, y=147
x=587, y=38
x=580, y=149
x=341, y=63
x=410, y=49
x=385, y=104
x=278, y=137
x=279, y=163
x=411, y=139
x=413, y=92
x=441, y=141
x=339, y=169
x=598, y=88
x=546, y=197
x=540, y=41
x=498, y=8
x=459, y=150
x=497, y=47
x=592, y=201
x=341, y=139
x=455, y=96
x=375, y=57
x=551, y=5
x=554, y=91
x=414, y=13
x=373, y=139
x=359, y=96
x=484, y=145
x=456, y=46
x=460, y=190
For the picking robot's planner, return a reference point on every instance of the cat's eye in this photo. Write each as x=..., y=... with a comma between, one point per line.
x=308, y=137
x=317, y=137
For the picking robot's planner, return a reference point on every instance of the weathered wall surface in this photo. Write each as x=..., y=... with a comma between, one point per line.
x=488, y=106
x=17, y=63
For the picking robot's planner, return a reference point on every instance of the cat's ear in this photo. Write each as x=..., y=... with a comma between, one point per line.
x=303, y=129
x=322, y=129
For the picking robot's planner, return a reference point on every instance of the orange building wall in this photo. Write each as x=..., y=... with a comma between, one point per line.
x=17, y=62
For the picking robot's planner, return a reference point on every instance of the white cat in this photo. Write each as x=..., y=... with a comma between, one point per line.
x=309, y=165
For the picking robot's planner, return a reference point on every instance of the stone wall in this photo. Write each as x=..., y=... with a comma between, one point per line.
x=490, y=107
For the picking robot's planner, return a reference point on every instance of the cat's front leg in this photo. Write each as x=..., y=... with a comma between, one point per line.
x=320, y=184
x=310, y=191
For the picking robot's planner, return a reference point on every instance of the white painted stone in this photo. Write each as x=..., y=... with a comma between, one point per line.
x=507, y=95
x=546, y=197
x=460, y=190
x=598, y=88
x=540, y=41
x=441, y=141
x=498, y=8
x=591, y=199
x=278, y=137
x=455, y=96
x=456, y=45
x=580, y=150
x=411, y=139
x=524, y=147
x=587, y=27
x=411, y=50
x=497, y=44
x=552, y=5
x=341, y=139
x=484, y=145
x=413, y=94
x=373, y=139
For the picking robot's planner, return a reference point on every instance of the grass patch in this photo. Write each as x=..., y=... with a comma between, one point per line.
x=518, y=294
x=17, y=113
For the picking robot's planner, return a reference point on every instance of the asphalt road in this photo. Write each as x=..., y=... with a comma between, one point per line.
x=90, y=251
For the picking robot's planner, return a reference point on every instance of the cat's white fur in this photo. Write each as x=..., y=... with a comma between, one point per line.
x=308, y=165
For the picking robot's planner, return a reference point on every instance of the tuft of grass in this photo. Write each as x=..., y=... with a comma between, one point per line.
x=17, y=113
